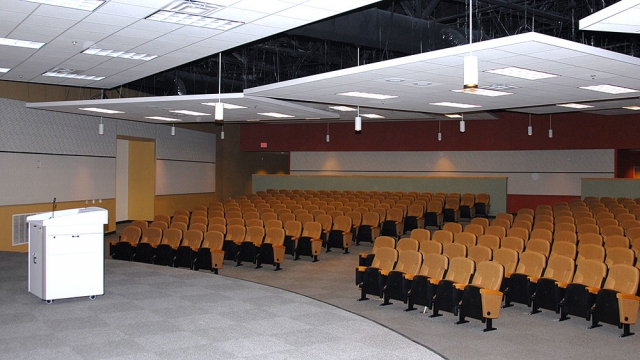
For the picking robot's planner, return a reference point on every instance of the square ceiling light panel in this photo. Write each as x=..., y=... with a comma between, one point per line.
x=623, y=17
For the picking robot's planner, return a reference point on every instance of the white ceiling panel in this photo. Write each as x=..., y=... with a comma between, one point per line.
x=242, y=15
x=267, y=7
x=623, y=16
x=59, y=12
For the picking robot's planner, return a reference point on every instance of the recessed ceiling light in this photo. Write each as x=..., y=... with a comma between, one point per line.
x=88, y=5
x=609, y=89
x=120, y=54
x=189, y=112
x=483, y=92
x=575, y=106
x=4, y=70
x=368, y=95
x=225, y=105
x=193, y=13
x=453, y=116
x=499, y=87
x=342, y=108
x=103, y=111
x=21, y=43
x=71, y=74
x=276, y=115
x=394, y=80
x=422, y=83
x=161, y=118
x=372, y=116
x=635, y=108
x=456, y=105
x=522, y=73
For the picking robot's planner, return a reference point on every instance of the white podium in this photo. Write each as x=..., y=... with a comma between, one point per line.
x=66, y=253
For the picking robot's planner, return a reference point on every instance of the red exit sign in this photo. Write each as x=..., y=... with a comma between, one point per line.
x=263, y=145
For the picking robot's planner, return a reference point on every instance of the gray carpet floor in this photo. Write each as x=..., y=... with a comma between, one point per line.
x=306, y=311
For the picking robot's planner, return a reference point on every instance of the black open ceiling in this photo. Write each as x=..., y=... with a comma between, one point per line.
x=388, y=30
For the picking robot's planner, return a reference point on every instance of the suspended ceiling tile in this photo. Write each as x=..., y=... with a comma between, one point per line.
x=280, y=22
x=623, y=16
x=127, y=10
x=306, y=13
x=245, y=16
x=196, y=32
x=271, y=6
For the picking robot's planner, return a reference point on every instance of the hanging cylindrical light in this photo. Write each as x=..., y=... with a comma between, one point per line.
x=173, y=130
x=439, y=133
x=529, y=128
x=101, y=127
x=219, y=111
x=550, y=129
x=358, y=121
x=328, y=137
x=463, y=128
x=470, y=72
x=222, y=133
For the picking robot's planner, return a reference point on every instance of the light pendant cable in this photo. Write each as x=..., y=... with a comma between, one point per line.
x=470, y=62
x=439, y=132
x=529, y=128
x=358, y=122
x=463, y=128
x=550, y=129
x=219, y=112
x=101, y=127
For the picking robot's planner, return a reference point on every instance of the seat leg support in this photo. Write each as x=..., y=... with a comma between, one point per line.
x=626, y=331
x=489, y=326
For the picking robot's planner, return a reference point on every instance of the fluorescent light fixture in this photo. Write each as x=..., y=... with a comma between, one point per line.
x=358, y=123
x=342, y=108
x=87, y=5
x=119, y=54
x=453, y=116
x=21, y=43
x=161, y=118
x=368, y=95
x=225, y=105
x=576, y=106
x=609, y=89
x=71, y=74
x=635, y=108
x=103, y=111
x=189, y=112
x=522, y=73
x=4, y=70
x=193, y=13
x=470, y=72
x=483, y=92
x=276, y=115
x=455, y=105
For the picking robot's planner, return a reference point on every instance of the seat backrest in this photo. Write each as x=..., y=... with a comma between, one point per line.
x=172, y=237
x=513, y=243
x=537, y=245
x=293, y=228
x=453, y=228
x=508, y=258
x=543, y=225
x=236, y=233
x=312, y=229
x=588, y=229
x=565, y=227
x=633, y=233
x=560, y=268
x=131, y=234
x=442, y=236
x=484, y=222
x=434, y=265
x=454, y=250
x=590, y=238
x=274, y=236
x=233, y=215
x=541, y=234
x=325, y=220
x=522, y=224
x=180, y=218
x=434, y=206
x=565, y=236
x=272, y=223
x=590, y=273
x=255, y=234
x=564, y=248
x=383, y=241
x=254, y=222
x=531, y=263
x=395, y=214
x=235, y=221
x=251, y=215
x=607, y=222
x=415, y=210
x=488, y=275
x=618, y=255
x=213, y=227
x=430, y=247
x=407, y=244
x=192, y=239
x=342, y=223
x=142, y=224
x=496, y=230
x=159, y=224
x=476, y=229
x=490, y=241
x=519, y=232
x=371, y=219
x=623, y=279
x=385, y=258
x=506, y=224
x=420, y=234
x=610, y=230
x=590, y=252
x=616, y=241
x=479, y=253
x=460, y=270
x=504, y=216
x=465, y=238
x=409, y=262
x=213, y=240
x=356, y=217
x=162, y=217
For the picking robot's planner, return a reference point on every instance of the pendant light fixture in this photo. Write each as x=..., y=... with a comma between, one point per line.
x=529, y=128
x=550, y=129
x=101, y=127
x=328, y=137
x=470, y=61
x=463, y=128
x=173, y=130
x=358, y=121
x=439, y=132
x=222, y=133
x=219, y=112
